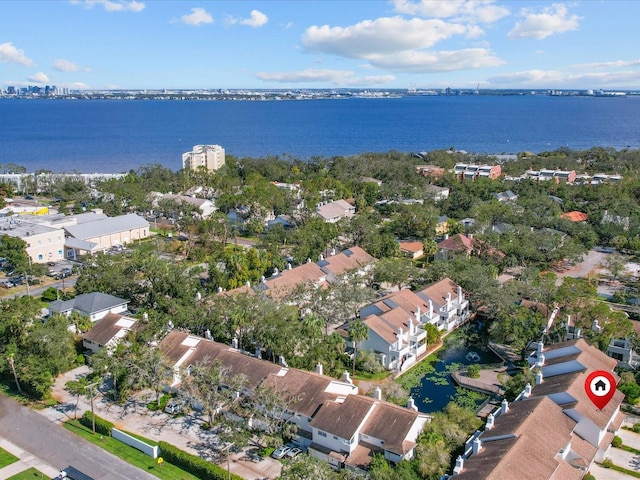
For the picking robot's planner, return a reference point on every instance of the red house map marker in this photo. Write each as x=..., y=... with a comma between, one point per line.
x=600, y=387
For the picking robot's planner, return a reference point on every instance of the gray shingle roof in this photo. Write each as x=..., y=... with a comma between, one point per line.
x=87, y=303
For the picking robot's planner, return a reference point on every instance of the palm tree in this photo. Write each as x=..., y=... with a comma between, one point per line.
x=358, y=332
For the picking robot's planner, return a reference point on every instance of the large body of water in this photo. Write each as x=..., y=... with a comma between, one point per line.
x=120, y=135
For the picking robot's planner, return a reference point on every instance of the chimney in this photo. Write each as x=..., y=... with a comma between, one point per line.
x=220, y=290
x=540, y=361
x=275, y=271
x=198, y=296
x=333, y=252
x=446, y=236
x=539, y=377
x=399, y=338
x=248, y=284
x=319, y=369
x=459, y=465
x=477, y=445
x=259, y=353
x=411, y=404
x=282, y=361
x=234, y=343
x=347, y=378
x=145, y=317
x=417, y=315
x=448, y=301
x=288, y=266
x=263, y=279
x=410, y=325
x=377, y=393
x=490, y=422
x=539, y=349
x=308, y=260
x=504, y=407
x=459, y=293
x=320, y=257
x=430, y=309
x=527, y=390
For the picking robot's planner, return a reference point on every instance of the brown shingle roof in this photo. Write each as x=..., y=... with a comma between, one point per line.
x=457, y=243
x=523, y=444
x=105, y=329
x=391, y=423
x=437, y=291
x=343, y=419
x=171, y=346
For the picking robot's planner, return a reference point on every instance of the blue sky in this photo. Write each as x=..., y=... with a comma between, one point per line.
x=293, y=44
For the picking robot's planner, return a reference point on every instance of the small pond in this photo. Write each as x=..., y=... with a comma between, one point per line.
x=436, y=389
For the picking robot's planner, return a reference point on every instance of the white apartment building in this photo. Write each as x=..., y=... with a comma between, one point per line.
x=209, y=156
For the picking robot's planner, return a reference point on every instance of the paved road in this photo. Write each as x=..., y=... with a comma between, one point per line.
x=59, y=447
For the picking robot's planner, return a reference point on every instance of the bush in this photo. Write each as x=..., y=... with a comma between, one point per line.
x=588, y=476
x=473, y=371
x=607, y=463
x=616, y=442
x=103, y=427
x=193, y=464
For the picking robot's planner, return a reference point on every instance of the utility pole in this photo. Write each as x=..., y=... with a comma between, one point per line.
x=93, y=417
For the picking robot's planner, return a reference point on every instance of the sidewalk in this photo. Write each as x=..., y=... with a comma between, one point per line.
x=182, y=431
x=26, y=461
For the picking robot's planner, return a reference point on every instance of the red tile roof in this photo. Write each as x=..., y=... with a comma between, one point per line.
x=575, y=216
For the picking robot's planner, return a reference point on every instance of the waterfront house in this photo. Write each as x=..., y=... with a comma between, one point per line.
x=553, y=430
x=396, y=323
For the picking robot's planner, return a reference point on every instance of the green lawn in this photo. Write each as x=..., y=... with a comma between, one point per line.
x=30, y=474
x=6, y=458
x=129, y=454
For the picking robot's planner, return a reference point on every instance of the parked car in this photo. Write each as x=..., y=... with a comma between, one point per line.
x=294, y=452
x=6, y=284
x=174, y=406
x=280, y=452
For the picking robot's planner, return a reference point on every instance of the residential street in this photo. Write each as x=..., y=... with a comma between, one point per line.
x=182, y=431
x=58, y=447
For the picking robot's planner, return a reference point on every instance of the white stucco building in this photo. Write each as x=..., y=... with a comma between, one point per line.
x=209, y=156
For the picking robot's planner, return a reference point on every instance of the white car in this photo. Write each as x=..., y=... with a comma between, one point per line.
x=294, y=452
x=280, y=452
x=174, y=406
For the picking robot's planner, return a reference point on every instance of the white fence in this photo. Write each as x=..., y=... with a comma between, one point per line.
x=147, y=449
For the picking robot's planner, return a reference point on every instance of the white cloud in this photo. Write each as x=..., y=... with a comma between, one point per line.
x=257, y=19
x=11, y=54
x=62, y=65
x=554, y=19
x=615, y=63
x=385, y=35
x=432, y=61
x=475, y=11
x=335, y=77
x=39, y=77
x=113, y=5
x=558, y=79
x=198, y=16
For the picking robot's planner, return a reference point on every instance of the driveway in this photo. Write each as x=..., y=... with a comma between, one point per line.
x=620, y=457
x=184, y=432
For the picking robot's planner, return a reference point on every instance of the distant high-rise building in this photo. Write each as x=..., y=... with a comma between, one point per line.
x=209, y=156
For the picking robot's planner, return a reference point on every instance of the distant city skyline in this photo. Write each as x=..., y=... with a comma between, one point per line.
x=151, y=44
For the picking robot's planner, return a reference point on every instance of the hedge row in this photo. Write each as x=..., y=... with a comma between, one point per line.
x=103, y=427
x=193, y=464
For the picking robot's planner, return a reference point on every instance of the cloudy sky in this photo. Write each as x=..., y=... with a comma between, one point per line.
x=136, y=44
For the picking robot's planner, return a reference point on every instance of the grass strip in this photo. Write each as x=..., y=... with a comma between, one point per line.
x=631, y=473
x=629, y=449
x=129, y=454
x=6, y=458
x=29, y=474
